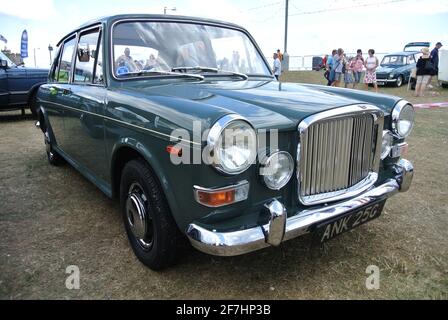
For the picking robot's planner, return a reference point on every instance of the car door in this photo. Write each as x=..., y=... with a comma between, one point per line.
x=411, y=64
x=83, y=119
x=4, y=96
x=57, y=92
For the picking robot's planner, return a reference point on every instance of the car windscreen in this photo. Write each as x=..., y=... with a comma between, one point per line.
x=5, y=57
x=394, y=60
x=141, y=47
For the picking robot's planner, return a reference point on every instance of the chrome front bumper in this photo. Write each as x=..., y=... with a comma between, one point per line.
x=280, y=228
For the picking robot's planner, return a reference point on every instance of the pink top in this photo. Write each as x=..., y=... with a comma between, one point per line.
x=359, y=64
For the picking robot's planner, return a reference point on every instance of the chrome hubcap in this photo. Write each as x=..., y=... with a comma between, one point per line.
x=138, y=219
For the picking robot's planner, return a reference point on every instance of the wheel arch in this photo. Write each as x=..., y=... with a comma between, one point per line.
x=128, y=149
x=32, y=91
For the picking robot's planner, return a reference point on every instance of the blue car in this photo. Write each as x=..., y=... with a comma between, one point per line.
x=18, y=85
x=396, y=68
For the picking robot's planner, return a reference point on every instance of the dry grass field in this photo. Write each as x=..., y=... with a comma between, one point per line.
x=51, y=218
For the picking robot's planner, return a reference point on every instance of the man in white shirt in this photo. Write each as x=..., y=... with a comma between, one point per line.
x=277, y=70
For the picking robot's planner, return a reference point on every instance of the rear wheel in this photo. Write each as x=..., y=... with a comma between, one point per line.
x=33, y=104
x=53, y=157
x=150, y=228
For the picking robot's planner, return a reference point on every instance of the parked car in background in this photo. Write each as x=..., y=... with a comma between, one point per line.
x=18, y=85
x=396, y=68
x=132, y=100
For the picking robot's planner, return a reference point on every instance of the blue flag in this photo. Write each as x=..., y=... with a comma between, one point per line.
x=24, y=45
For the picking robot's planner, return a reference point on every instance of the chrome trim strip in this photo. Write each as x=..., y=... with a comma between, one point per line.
x=238, y=185
x=244, y=241
x=123, y=123
x=18, y=92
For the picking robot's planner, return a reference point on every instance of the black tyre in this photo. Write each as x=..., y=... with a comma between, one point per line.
x=399, y=82
x=33, y=104
x=149, y=225
x=53, y=157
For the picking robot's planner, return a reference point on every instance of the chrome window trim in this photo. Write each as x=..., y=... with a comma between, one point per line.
x=237, y=185
x=395, y=115
x=342, y=112
x=177, y=20
x=215, y=132
x=82, y=32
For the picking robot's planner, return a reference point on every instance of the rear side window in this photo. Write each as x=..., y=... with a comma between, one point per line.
x=65, y=66
x=86, y=55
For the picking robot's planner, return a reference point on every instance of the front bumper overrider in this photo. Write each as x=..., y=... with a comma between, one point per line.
x=280, y=228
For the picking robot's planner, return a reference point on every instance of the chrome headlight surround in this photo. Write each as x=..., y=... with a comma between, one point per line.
x=214, y=144
x=286, y=161
x=403, y=116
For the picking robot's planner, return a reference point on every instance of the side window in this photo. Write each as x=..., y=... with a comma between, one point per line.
x=411, y=59
x=65, y=67
x=86, y=56
x=99, y=66
x=55, y=66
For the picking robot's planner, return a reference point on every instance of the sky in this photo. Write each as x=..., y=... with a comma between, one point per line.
x=315, y=27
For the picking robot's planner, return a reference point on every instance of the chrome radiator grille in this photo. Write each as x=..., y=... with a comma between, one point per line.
x=339, y=155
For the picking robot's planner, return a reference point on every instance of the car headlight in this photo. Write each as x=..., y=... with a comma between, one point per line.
x=232, y=144
x=391, y=76
x=403, y=117
x=386, y=146
x=277, y=170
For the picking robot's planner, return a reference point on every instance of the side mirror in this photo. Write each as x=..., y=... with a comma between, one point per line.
x=83, y=52
x=3, y=64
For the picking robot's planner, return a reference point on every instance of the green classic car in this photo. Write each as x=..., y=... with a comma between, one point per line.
x=182, y=120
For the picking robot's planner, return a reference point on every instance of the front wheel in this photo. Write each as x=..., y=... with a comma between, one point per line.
x=150, y=228
x=399, y=82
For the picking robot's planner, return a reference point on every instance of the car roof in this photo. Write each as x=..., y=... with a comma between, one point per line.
x=402, y=53
x=111, y=19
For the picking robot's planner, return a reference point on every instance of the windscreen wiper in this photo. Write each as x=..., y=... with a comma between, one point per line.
x=162, y=73
x=211, y=70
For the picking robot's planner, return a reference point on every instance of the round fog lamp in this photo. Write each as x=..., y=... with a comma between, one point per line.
x=277, y=170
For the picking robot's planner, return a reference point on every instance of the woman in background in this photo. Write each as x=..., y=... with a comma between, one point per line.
x=371, y=65
x=358, y=68
x=348, y=75
x=425, y=69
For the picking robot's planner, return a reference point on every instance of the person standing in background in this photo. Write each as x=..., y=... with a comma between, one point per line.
x=348, y=75
x=277, y=68
x=339, y=61
x=371, y=65
x=425, y=69
x=280, y=55
x=435, y=59
x=329, y=66
x=358, y=68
